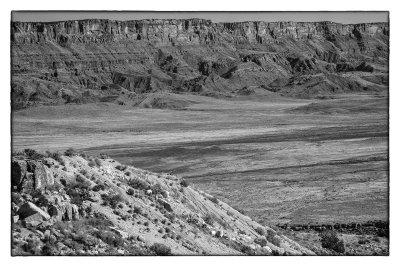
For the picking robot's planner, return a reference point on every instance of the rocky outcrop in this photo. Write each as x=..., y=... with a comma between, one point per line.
x=29, y=209
x=99, y=60
x=157, y=216
x=30, y=175
x=184, y=31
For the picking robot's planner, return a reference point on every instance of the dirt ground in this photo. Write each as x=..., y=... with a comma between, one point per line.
x=280, y=160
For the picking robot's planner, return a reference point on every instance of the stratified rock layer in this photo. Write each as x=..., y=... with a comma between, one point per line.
x=100, y=60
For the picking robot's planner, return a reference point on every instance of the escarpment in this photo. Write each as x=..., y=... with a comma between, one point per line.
x=104, y=60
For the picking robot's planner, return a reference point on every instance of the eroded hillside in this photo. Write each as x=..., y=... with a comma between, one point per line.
x=121, y=61
x=74, y=205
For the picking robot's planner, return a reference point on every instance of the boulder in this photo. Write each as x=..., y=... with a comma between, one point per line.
x=66, y=211
x=119, y=232
x=75, y=212
x=29, y=209
x=42, y=175
x=33, y=220
x=18, y=171
x=15, y=218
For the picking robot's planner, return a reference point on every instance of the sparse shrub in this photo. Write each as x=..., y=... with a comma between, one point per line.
x=98, y=162
x=184, y=183
x=91, y=163
x=376, y=239
x=146, y=223
x=117, y=212
x=121, y=167
x=262, y=241
x=330, y=240
x=161, y=231
x=98, y=187
x=214, y=200
x=111, y=200
x=272, y=237
x=83, y=155
x=383, y=232
x=161, y=249
x=103, y=156
x=157, y=189
x=83, y=172
x=130, y=191
x=137, y=210
x=70, y=152
x=33, y=154
x=56, y=156
x=170, y=216
x=128, y=173
x=138, y=184
x=260, y=230
x=124, y=217
x=209, y=219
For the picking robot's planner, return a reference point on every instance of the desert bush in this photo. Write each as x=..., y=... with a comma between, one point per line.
x=214, y=200
x=209, y=219
x=98, y=162
x=56, y=156
x=363, y=241
x=383, y=232
x=376, y=239
x=130, y=191
x=138, y=184
x=157, y=189
x=32, y=246
x=262, y=241
x=111, y=200
x=137, y=210
x=161, y=249
x=260, y=230
x=272, y=237
x=98, y=187
x=170, y=216
x=184, y=183
x=128, y=173
x=330, y=240
x=103, y=156
x=70, y=152
x=91, y=163
x=121, y=167
x=33, y=154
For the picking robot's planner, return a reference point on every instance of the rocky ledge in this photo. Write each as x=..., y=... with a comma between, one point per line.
x=71, y=204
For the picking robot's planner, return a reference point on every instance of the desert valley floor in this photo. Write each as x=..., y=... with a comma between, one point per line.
x=280, y=160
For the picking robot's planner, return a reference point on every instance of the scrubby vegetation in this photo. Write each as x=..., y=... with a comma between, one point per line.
x=161, y=249
x=330, y=240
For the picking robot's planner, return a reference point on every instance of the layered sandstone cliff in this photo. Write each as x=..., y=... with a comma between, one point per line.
x=97, y=60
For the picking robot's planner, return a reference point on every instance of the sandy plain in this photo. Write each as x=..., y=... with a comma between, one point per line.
x=280, y=160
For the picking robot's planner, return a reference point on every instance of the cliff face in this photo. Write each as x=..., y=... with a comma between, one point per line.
x=75, y=61
x=193, y=31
